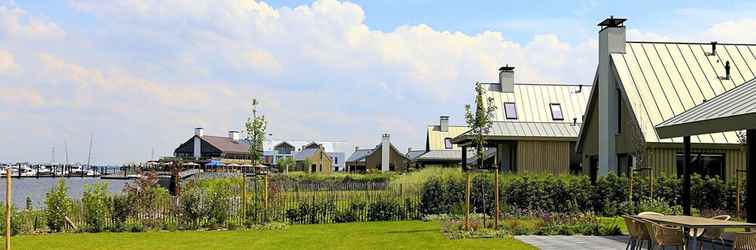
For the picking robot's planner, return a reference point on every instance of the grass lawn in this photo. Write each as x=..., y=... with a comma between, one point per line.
x=371, y=235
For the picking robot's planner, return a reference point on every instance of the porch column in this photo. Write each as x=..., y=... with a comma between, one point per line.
x=686, y=176
x=751, y=175
x=464, y=158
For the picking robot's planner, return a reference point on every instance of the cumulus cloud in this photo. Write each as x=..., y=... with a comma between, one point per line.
x=16, y=23
x=7, y=62
x=160, y=68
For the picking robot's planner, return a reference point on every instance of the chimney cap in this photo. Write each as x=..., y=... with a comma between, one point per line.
x=612, y=22
x=444, y=117
x=507, y=68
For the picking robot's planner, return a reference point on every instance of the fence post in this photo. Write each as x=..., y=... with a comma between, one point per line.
x=8, y=193
x=467, y=202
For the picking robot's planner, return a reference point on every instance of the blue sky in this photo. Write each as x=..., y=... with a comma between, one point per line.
x=142, y=74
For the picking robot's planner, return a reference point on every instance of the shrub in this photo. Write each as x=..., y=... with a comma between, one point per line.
x=356, y=208
x=120, y=212
x=384, y=210
x=193, y=205
x=312, y=212
x=658, y=205
x=96, y=205
x=58, y=206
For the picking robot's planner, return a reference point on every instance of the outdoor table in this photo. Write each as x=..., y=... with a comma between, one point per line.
x=689, y=222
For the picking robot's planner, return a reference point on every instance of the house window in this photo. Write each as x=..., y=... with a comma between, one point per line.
x=704, y=164
x=510, y=111
x=556, y=112
x=447, y=143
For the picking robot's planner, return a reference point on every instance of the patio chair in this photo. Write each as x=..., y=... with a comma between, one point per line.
x=664, y=236
x=710, y=234
x=638, y=235
x=744, y=241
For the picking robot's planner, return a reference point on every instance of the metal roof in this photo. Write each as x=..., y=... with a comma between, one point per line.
x=435, y=137
x=436, y=155
x=533, y=101
x=412, y=155
x=513, y=130
x=730, y=111
x=661, y=80
x=227, y=145
x=359, y=155
x=301, y=155
x=329, y=146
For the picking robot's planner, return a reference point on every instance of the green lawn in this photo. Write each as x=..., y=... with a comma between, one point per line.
x=372, y=235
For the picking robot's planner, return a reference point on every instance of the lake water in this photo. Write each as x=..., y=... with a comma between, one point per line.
x=36, y=189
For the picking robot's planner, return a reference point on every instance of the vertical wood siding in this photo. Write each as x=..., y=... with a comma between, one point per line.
x=663, y=160
x=543, y=157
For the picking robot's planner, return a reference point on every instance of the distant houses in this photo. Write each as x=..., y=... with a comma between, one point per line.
x=384, y=157
x=535, y=129
x=439, y=149
x=231, y=148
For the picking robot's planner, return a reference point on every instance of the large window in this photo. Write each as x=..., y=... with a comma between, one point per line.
x=704, y=164
x=510, y=111
x=447, y=143
x=556, y=112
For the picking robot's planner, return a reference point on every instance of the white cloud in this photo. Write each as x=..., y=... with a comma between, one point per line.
x=16, y=23
x=7, y=62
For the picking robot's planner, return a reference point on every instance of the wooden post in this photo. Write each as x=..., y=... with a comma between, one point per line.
x=467, y=202
x=244, y=194
x=496, y=195
x=751, y=175
x=686, y=176
x=8, y=193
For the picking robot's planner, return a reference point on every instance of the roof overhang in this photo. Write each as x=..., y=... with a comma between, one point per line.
x=722, y=124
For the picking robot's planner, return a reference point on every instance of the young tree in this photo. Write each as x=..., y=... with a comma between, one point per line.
x=285, y=163
x=255, y=134
x=479, y=121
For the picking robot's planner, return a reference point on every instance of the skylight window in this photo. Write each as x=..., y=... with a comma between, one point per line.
x=556, y=112
x=510, y=111
x=447, y=143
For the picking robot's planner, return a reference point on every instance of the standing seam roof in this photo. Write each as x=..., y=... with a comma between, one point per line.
x=662, y=80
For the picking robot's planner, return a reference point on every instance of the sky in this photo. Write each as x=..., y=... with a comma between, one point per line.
x=138, y=75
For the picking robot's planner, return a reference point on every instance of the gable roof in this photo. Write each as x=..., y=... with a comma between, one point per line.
x=301, y=155
x=730, y=111
x=441, y=155
x=513, y=130
x=435, y=137
x=532, y=101
x=226, y=145
x=413, y=154
x=359, y=155
x=663, y=79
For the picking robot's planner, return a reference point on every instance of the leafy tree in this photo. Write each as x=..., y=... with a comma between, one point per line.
x=480, y=120
x=285, y=163
x=96, y=206
x=255, y=134
x=58, y=206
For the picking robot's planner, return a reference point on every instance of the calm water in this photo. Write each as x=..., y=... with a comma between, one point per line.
x=37, y=188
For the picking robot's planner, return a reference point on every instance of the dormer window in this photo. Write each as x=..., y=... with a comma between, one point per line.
x=556, y=112
x=447, y=143
x=510, y=111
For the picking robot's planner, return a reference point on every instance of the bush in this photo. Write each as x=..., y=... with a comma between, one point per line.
x=193, y=205
x=96, y=206
x=658, y=205
x=58, y=206
x=120, y=212
x=356, y=208
x=313, y=212
x=384, y=210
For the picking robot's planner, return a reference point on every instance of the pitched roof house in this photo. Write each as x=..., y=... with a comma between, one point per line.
x=439, y=149
x=383, y=157
x=535, y=125
x=201, y=146
x=313, y=160
x=640, y=84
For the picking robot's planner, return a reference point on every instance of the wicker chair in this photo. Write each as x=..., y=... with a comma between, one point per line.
x=648, y=213
x=710, y=234
x=744, y=241
x=664, y=236
x=638, y=234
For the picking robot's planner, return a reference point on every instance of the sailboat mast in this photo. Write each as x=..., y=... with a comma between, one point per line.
x=89, y=156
